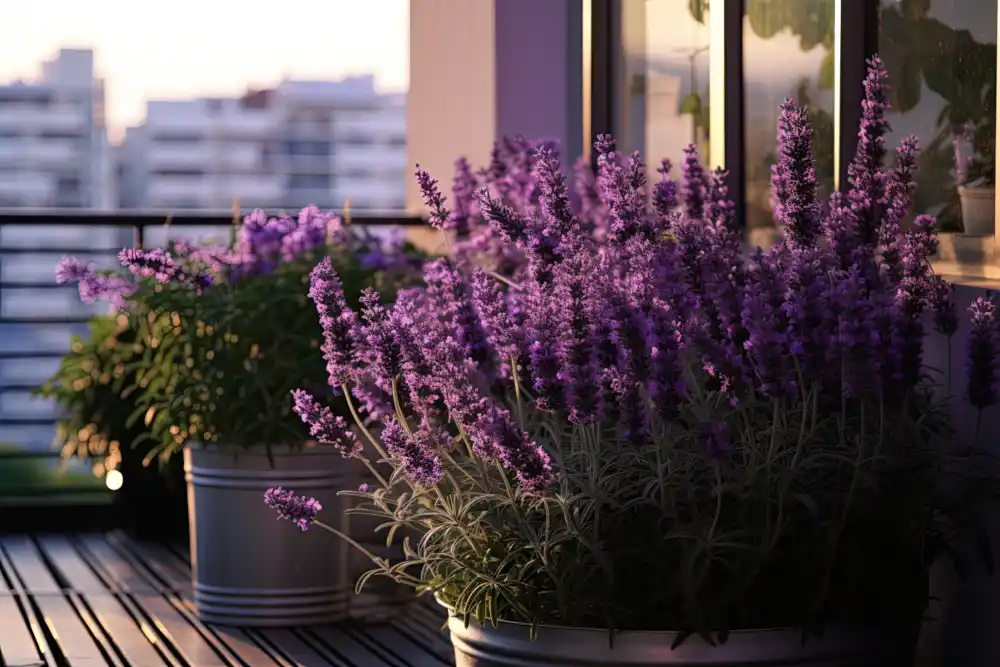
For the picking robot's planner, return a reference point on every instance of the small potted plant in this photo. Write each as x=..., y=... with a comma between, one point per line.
x=226, y=333
x=656, y=449
x=93, y=390
x=978, y=189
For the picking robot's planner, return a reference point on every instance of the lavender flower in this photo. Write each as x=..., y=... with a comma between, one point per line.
x=494, y=312
x=327, y=428
x=381, y=351
x=864, y=173
x=463, y=188
x=695, y=184
x=300, y=510
x=339, y=323
x=793, y=178
x=664, y=192
x=417, y=451
x=149, y=263
x=984, y=353
x=497, y=437
x=439, y=215
x=71, y=270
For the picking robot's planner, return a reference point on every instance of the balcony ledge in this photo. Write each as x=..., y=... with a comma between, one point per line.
x=968, y=260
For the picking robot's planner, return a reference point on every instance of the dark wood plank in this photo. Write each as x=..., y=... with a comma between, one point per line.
x=183, y=636
x=101, y=556
x=136, y=640
x=17, y=647
x=162, y=561
x=401, y=647
x=73, y=569
x=346, y=645
x=298, y=651
x=239, y=643
x=28, y=565
x=69, y=633
x=436, y=641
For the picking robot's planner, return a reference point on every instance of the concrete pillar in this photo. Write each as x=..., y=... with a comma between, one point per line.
x=482, y=69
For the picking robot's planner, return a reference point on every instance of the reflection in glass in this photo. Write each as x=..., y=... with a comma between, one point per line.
x=788, y=52
x=666, y=45
x=941, y=56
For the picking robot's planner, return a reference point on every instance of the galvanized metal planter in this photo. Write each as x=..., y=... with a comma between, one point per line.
x=508, y=645
x=250, y=569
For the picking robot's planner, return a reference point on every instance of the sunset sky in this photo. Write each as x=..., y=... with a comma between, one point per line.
x=185, y=48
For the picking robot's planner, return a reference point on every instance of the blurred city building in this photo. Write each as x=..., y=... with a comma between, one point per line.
x=53, y=137
x=302, y=142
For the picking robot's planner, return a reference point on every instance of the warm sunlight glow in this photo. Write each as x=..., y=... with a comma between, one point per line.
x=114, y=479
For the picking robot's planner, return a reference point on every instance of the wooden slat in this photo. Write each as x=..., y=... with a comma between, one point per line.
x=297, y=650
x=408, y=652
x=239, y=643
x=164, y=563
x=70, y=635
x=136, y=641
x=71, y=566
x=356, y=653
x=436, y=642
x=122, y=574
x=17, y=647
x=28, y=565
x=179, y=633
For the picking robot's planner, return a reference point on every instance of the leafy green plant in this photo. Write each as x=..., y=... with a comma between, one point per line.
x=213, y=338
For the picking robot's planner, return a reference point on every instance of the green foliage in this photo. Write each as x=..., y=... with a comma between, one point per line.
x=817, y=515
x=218, y=367
x=90, y=388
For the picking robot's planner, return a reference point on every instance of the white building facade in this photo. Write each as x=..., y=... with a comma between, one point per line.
x=303, y=142
x=53, y=138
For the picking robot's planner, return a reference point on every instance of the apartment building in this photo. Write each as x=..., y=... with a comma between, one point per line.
x=53, y=139
x=302, y=142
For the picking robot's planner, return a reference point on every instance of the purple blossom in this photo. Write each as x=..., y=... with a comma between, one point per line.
x=715, y=435
x=339, y=323
x=380, y=349
x=494, y=312
x=439, y=216
x=942, y=304
x=71, y=270
x=664, y=192
x=984, y=353
x=899, y=189
x=417, y=452
x=497, y=437
x=865, y=174
x=327, y=428
x=793, y=178
x=463, y=188
x=578, y=371
x=154, y=263
x=622, y=191
x=300, y=510
x=694, y=191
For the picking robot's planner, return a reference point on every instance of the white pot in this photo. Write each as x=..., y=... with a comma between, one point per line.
x=978, y=209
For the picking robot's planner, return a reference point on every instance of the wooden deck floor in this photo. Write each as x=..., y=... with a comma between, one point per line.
x=102, y=599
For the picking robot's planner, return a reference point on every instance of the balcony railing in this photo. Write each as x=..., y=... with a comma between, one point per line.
x=38, y=318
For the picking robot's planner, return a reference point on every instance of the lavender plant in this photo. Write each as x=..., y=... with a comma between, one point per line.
x=224, y=331
x=649, y=428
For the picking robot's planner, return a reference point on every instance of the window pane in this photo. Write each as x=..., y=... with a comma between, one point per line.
x=941, y=57
x=788, y=52
x=666, y=44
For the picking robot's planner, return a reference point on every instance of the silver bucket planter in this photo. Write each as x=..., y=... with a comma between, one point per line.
x=509, y=645
x=249, y=568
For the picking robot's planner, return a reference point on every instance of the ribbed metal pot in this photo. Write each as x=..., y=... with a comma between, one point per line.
x=249, y=568
x=381, y=597
x=509, y=645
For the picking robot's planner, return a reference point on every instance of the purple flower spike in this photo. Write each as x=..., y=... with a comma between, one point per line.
x=338, y=321
x=793, y=178
x=439, y=215
x=497, y=437
x=865, y=171
x=327, y=428
x=300, y=510
x=149, y=263
x=984, y=353
x=71, y=270
x=416, y=451
x=695, y=184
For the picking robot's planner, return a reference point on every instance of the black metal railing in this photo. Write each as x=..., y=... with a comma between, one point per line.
x=36, y=329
